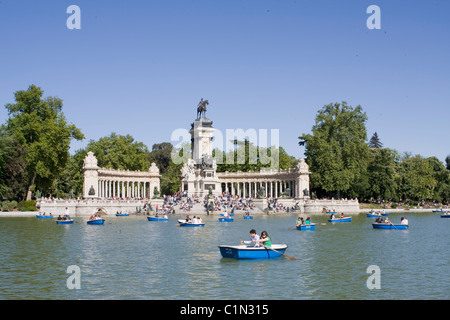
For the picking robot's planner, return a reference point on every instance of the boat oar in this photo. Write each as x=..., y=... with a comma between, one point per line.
x=292, y=258
x=393, y=225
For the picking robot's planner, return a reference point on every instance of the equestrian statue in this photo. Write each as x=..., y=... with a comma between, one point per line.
x=201, y=108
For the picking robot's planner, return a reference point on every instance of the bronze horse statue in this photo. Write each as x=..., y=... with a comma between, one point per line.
x=201, y=108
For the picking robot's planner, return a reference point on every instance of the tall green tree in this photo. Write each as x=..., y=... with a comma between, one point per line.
x=336, y=151
x=161, y=155
x=120, y=152
x=382, y=174
x=442, y=177
x=375, y=142
x=417, y=179
x=13, y=174
x=41, y=128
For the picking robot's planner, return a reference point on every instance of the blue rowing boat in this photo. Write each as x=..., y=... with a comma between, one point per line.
x=345, y=219
x=389, y=226
x=371, y=215
x=248, y=217
x=96, y=221
x=251, y=252
x=183, y=223
x=445, y=215
x=44, y=217
x=438, y=211
x=122, y=214
x=157, y=219
x=64, y=221
x=311, y=227
x=226, y=220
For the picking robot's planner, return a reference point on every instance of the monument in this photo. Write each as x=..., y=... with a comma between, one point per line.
x=198, y=175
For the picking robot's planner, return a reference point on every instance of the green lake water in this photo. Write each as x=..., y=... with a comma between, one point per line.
x=132, y=258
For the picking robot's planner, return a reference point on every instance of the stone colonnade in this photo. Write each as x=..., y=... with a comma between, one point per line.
x=275, y=183
x=118, y=185
x=272, y=188
x=124, y=184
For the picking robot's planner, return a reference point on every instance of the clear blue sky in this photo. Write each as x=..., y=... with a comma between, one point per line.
x=141, y=67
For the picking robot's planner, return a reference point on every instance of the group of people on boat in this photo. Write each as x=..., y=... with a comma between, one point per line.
x=403, y=220
x=332, y=217
x=194, y=220
x=66, y=215
x=95, y=217
x=43, y=214
x=258, y=241
x=379, y=213
x=301, y=222
x=164, y=215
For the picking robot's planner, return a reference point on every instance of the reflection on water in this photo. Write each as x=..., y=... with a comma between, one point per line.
x=132, y=258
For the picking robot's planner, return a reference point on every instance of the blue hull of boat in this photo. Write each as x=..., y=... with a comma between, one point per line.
x=183, y=223
x=340, y=220
x=226, y=220
x=445, y=215
x=156, y=219
x=248, y=217
x=64, y=221
x=438, y=211
x=122, y=215
x=311, y=227
x=44, y=217
x=99, y=221
x=241, y=252
x=389, y=226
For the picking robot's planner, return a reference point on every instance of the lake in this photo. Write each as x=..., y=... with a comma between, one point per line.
x=132, y=258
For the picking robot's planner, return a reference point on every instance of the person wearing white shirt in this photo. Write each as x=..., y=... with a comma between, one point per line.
x=253, y=237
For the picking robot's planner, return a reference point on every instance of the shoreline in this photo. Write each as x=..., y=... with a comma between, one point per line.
x=34, y=213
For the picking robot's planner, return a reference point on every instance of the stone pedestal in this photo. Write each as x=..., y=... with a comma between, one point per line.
x=199, y=173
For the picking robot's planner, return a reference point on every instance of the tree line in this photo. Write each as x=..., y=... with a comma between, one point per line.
x=344, y=164
x=35, y=158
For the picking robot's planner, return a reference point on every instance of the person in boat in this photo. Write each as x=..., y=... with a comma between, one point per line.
x=404, y=221
x=188, y=219
x=299, y=222
x=342, y=215
x=332, y=216
x=199, y=220
x=387, y=220
x=254, y=237
x=308, y=221
x=59, y=217
x=165, y=216
x=379, y=220
x=67, y=214
x=264, y=239
x=194, y=220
